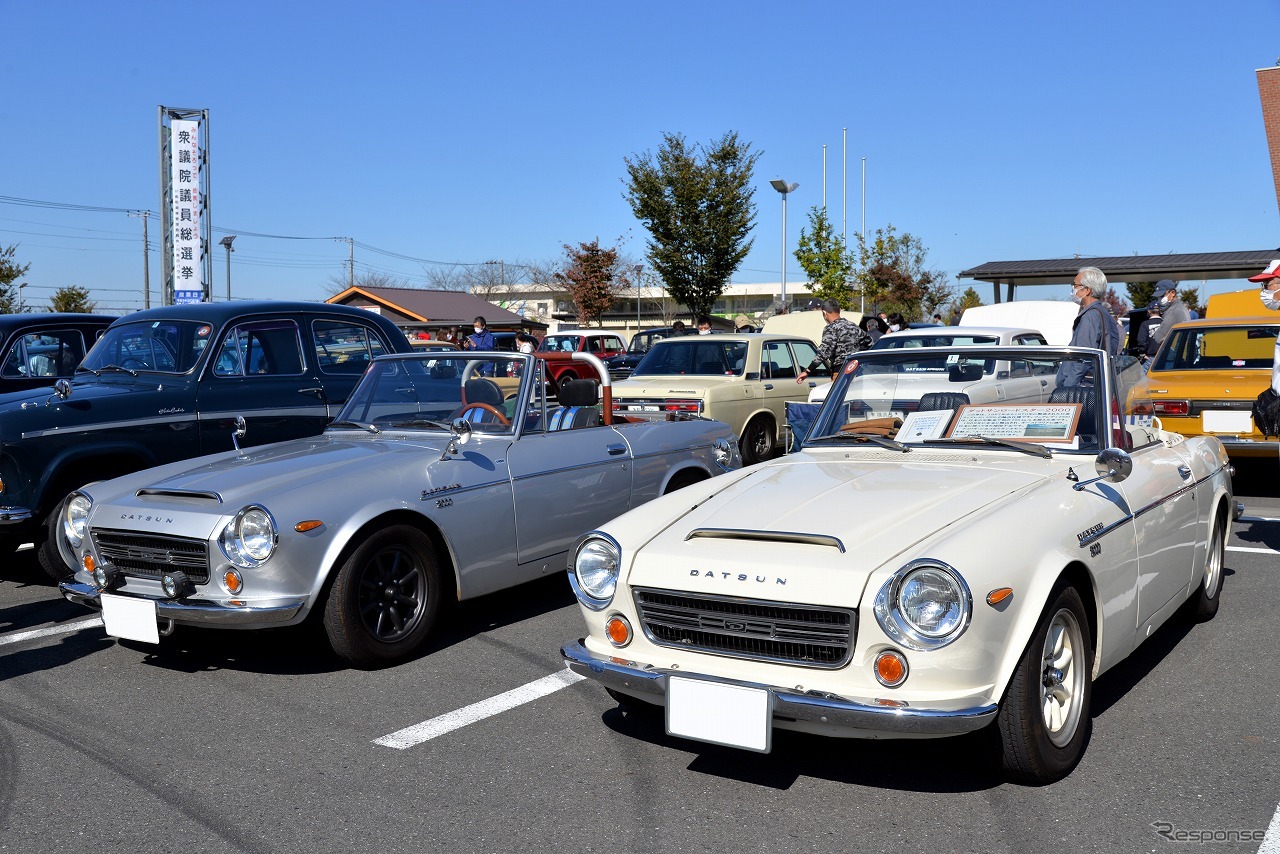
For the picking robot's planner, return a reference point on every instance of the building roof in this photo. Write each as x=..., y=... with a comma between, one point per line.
x=423, y=307
x=1126, y=268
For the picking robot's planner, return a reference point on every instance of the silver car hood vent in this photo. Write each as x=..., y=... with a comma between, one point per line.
x=181, y=493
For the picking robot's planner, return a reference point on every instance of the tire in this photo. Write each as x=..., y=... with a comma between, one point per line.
x=1205, y=599
x=48, y=543
x=564, y=379
x=759, y=440
x=1043, y=727
x=385, y=600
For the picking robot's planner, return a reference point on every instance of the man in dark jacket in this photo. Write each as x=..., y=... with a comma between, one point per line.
x=840, y=339
x=1094, y=326
x=1146, y=343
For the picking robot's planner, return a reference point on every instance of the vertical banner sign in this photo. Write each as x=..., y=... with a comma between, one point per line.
x=184, y=183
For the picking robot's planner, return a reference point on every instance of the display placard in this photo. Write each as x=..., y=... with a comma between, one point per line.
x=1044, y=422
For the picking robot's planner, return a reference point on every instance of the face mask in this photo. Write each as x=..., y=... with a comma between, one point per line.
x=704, y=331
x=893, y=327
x=1167, y=300
x=478, y=329
x=1077, y=299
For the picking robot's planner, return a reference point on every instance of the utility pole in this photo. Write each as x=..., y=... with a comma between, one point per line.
x=226, y=242
x=146, y=258
x=351, y=259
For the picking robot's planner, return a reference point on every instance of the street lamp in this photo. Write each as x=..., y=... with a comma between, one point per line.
x=226, y=242
x=639, y=268
x=783, y=187
x=20, y=287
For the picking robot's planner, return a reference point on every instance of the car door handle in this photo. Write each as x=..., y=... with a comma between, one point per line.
x=812, y=384
x=1185, y=471
x=1043, y=383
x=614, y=450
x=318, y=392
x=768, y=386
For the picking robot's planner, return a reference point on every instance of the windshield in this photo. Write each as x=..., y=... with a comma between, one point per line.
x=703, y=356
x=893, y=342
x=1218, y=348
x=956, y=397
x=159, y=346
x=560, y=343
x=427, y=391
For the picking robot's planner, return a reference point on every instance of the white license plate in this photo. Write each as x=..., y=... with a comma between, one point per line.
x=129, y=618
x=731, y=715
x=1226, y=421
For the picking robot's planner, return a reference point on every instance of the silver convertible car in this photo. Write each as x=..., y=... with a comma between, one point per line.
x=444, y=477
x=929, y=563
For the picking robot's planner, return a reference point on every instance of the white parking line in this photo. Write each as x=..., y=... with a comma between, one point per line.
x=65, y=628
x=1271, y=842
x=418, y=733
x=1257, y=551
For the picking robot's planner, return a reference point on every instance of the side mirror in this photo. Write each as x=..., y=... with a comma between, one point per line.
x=1112, y=465
x=461, y=434
x=238, y=433
x=62, y=389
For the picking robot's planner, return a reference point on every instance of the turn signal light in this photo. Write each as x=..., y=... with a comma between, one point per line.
x=88, y=563
x=618, y=630
x=891, y=668
x=1172, y=407
x=995, y=597
x=308, y=525
x=232, y=582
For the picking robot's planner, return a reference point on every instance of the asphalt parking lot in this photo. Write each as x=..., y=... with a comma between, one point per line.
x=265, y=743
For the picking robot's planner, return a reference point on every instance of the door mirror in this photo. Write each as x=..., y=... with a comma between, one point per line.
x=240, y=428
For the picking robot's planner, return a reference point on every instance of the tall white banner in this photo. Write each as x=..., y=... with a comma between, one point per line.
x=184, y=183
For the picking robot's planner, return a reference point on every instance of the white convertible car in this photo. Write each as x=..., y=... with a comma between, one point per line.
x=925, y=565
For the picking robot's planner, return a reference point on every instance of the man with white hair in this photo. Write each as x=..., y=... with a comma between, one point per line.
x=1093, y=327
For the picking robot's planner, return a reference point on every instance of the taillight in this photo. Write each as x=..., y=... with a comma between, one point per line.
x=682, y=406
x=1172, y=407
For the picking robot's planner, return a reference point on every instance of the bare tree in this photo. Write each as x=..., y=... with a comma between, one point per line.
x=337, y=283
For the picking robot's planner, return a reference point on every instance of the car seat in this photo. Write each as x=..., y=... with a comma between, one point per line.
x=482, y=390
x=1087, y=397
x=932, y=401
x=577, y=406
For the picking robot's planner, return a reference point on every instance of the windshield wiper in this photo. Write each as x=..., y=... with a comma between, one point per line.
x=130, y=371
x=854, y=436
x=1025, y=447
x=414, y=422
x=368, y=427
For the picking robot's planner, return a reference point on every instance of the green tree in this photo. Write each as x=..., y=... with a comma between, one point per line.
x=968, y=299
x=697, y=204
x=592, y=277
x=72, y=299
x=825, y=260
x=10, y=272
x=1140, y=293
x=891, y=272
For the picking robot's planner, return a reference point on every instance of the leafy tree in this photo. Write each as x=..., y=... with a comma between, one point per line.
x=935, y=295
x=10, y=272
x=593, y=278
x=336, y=284
x=968, y=299
x=1140, y=293
x=72, y=299
x=891, y=271
x=697, y=205
x=825, y=260
x=1191, y=296
x=1114, y=302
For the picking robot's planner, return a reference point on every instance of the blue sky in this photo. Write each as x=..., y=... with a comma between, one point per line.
x=468, y=132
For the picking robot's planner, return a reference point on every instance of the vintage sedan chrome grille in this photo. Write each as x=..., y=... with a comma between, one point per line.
x=806, y=635
x=152, y=555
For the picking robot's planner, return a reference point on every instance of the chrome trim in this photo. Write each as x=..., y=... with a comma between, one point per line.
x=587, y=600
x=767, y=536
x=204, y=612
x=1124, y=520
x=897, y=627
x=630, y=677
x=162, y=420
x=14, y=515
x=179, y=493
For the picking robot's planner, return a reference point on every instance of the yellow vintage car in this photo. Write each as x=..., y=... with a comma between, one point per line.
x=1206, y=376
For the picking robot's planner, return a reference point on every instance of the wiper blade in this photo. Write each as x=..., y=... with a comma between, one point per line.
x=368, y=427
x=1025, y=447
x=130, y=371
x=854, y=436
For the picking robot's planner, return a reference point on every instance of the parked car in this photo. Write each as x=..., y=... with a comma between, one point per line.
x=935, y=574
x=621, y=365
x=1206, y=376
x=428, y=488
x=556, y=352
x=40, y=349
x=166, y=384
x=743, y=379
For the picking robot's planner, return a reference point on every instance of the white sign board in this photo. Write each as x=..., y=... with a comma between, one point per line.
x=185, y=203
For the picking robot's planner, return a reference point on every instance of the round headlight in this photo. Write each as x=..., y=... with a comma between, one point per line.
x=75, y=518
x=595, y=569
x=931, y=602
x=925, y=605
x=249, y=538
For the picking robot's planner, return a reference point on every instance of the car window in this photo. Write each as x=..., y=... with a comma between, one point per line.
x=1031, y=340
x=44, y=354
x=776, y=362
x=345, y=347
x=694, y=357
x=161, y=346
x=258, y=348
x=807, y=354
x=559, y=343
x=1218, y=348
x=613, y=343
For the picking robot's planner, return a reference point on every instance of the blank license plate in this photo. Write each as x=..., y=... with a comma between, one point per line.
x=131, y=619
x=731, y=715
x=1226, y=421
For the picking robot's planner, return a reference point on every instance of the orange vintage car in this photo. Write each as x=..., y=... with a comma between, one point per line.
x=1207, y=374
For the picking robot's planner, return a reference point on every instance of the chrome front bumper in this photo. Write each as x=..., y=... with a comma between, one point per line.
x=196, y=612
x=825, y=709
x=14, y=515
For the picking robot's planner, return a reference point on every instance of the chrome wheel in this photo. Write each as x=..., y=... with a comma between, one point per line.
x=1062, y=678
x=1213, y=564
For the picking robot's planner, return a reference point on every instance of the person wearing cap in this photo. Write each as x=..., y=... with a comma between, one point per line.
x=1146, y=343
x=1093, y=327
x=1270, y=294
x=1172, y=309
x=841, y=338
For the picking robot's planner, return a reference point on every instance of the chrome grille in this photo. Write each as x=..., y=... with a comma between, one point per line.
x=152, y=555
x=807, y=635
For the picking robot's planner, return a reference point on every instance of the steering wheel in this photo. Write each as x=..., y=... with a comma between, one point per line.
x=502, y=419
x=133, y=363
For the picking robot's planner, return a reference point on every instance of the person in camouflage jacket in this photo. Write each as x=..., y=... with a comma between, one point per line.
x=840, y=340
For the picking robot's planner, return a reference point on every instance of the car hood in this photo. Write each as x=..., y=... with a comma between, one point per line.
x=259, y=475
x=813, y=531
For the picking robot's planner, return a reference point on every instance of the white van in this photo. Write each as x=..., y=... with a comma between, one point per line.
x=1052, y=318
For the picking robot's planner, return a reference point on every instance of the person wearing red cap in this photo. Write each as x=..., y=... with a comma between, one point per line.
x=1270, y=280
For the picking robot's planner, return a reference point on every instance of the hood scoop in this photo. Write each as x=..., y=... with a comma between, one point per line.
x=205, y=495
x=767, y=536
